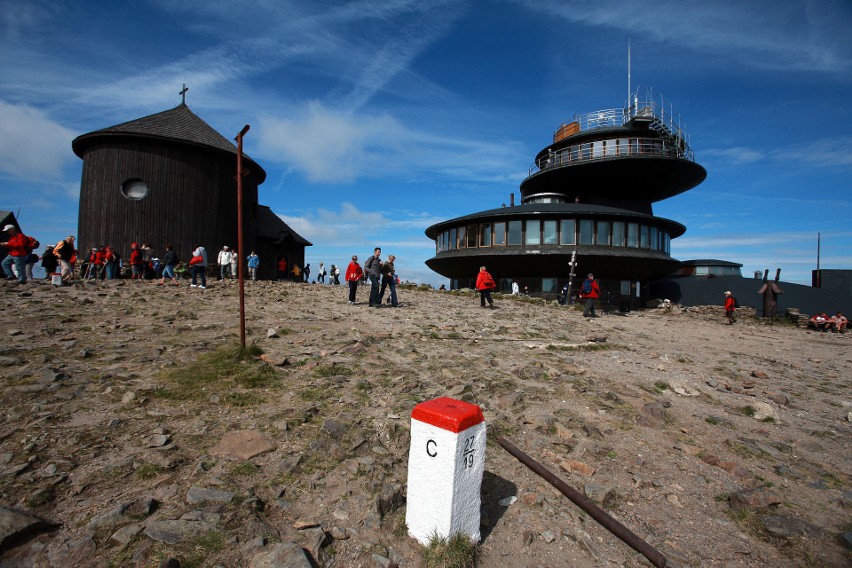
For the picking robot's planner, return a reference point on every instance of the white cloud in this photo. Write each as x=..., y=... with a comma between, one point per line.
x=736, y=156
x=827, y=152
x=348, y=225
x=790, y=36
x=34, y=147
x=328, y=146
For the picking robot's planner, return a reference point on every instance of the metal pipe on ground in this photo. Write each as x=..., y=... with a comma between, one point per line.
x=653, y=555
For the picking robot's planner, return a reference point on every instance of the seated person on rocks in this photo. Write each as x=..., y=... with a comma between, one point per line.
x=839, y=322
x=820, y=322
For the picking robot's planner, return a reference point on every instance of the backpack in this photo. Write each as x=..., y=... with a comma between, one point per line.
x=736, y=302
x=587, y=287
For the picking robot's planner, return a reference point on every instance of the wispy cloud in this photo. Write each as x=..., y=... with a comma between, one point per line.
x=350, y=224
x=736, y=156
x=33, y=146
x=798, y=35
x=834, y=153
x=329, y=146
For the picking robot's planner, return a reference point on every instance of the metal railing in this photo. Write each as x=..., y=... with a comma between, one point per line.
x=673, y=141
x=613, y=148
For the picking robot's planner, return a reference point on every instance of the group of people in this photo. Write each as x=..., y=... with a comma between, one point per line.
x=589, y=291
x=229, y=260
x=823, y=322
x=296, y=274
x=382, y=276
x=21, y=258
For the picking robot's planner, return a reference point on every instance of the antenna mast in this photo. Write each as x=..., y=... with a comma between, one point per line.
x=629, y=90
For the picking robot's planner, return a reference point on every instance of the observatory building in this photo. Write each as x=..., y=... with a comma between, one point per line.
x=590, y=194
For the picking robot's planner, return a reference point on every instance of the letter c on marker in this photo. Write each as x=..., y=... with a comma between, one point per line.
x=431, y=452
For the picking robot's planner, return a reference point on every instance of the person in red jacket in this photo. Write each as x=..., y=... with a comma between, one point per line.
x=109, y=263
x=484, y=284
x=590, y=291
x=100, y=262
x=353, y=277
x=19, y=246
x=730, y=305
x=136, y=262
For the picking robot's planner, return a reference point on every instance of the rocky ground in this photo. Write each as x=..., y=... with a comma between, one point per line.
x=131, y=433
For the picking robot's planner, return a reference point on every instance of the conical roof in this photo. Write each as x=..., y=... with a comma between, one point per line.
x=178, y=124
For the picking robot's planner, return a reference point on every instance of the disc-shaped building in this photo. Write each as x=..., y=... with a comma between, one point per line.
x=170, y=178
x=589, y=193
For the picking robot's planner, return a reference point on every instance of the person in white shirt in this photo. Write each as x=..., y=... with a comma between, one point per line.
x=224, y=261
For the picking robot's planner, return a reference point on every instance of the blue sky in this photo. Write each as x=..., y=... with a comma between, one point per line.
x=376, y=119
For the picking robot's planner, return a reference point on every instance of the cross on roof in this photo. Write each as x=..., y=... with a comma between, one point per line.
x=182, y=94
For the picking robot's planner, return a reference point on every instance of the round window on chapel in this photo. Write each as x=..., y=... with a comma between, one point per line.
x=134, y=189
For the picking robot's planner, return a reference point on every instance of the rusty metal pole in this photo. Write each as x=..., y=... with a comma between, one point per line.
x=240, y=246
x=652, y=554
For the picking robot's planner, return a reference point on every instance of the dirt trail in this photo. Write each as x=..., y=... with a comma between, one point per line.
x=719, y=445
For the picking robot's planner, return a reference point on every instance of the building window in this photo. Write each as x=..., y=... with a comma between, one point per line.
x=668, y=244
x=566, y=232
x=499, y=234
x=632, y=235
x=655, y=239
x=453, y=243
x=548, y=284
x=515, y=232
x=533, y=234
x=471, y=236
x=602, y=233
x=644, y=241
x=485, y=235
x=587, y=235
x=549, y=232
x=618, y=233
x=134, y=189
x=462, y=237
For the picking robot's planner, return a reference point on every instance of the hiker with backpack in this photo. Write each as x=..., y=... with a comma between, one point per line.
x=66, y=254
x=20, y=247
x=590, y=291
x=484, y=284
x=730, y=306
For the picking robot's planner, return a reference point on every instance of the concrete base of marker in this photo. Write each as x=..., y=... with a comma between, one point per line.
x=446, y=462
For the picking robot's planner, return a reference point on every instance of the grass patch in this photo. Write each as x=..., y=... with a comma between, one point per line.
x=242, y=399
x=148, y=471
x=661, y=386
x=714, y=420
x=326, y=371
x=41, y=497
x=314, y=394
x=747, y=519
x=202, y=549
x=218, y=371
x=457, y=552
x=245, y=469
x=747, y=411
